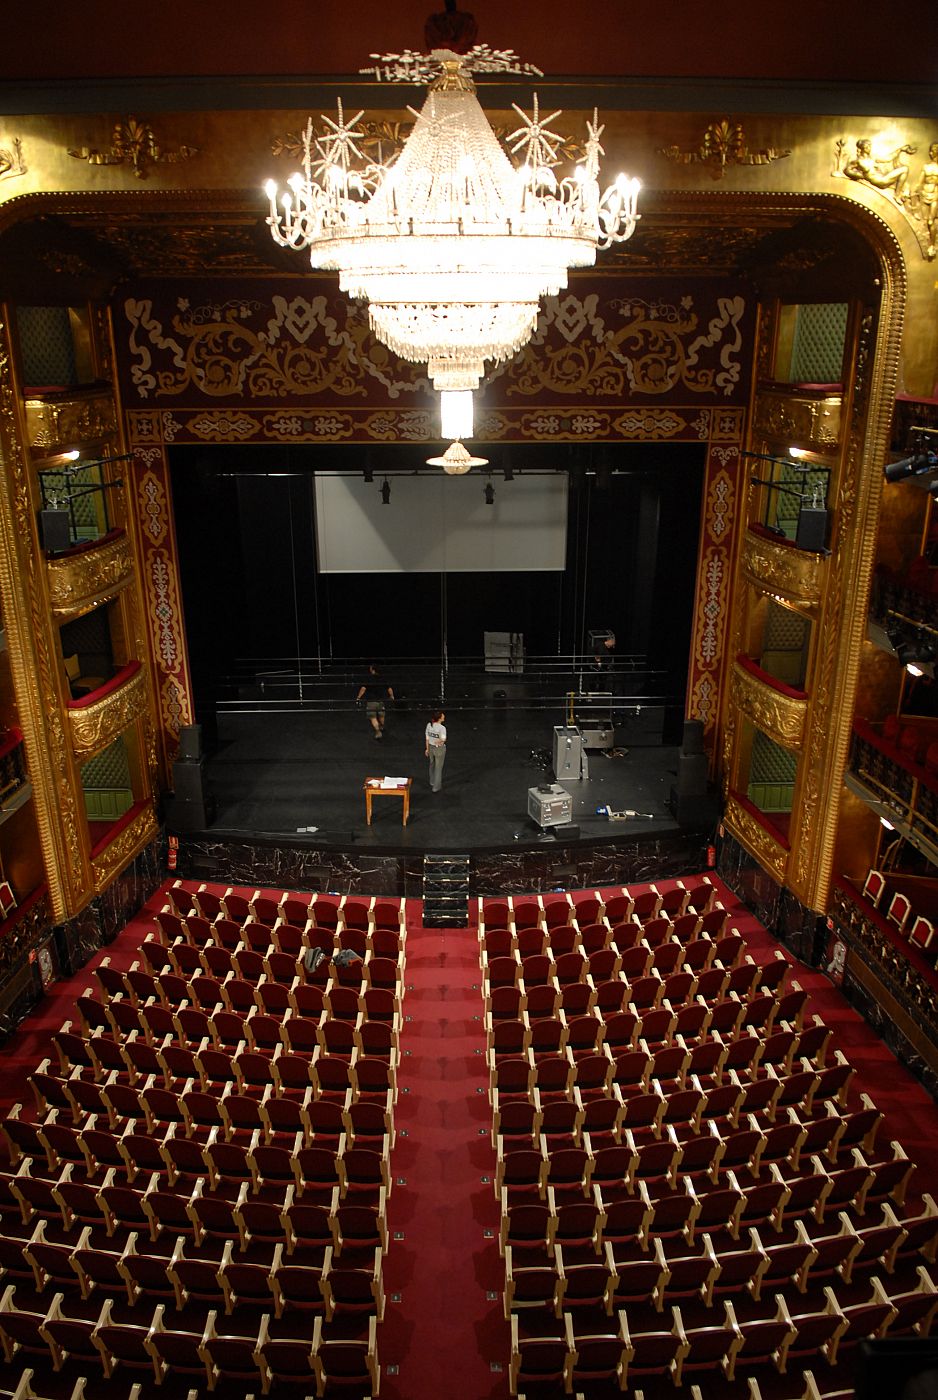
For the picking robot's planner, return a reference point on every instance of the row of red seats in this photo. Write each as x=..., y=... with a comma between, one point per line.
x=286, y=906
x=616, y=905
x=622, y=1355
x=204, y=1356
x=282, y=1284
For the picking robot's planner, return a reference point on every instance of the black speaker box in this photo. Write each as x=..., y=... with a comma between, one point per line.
x=54, y=530
x=184, y=814
x=189, y=780
x=568, y=831
x=190, y=742
x=812, y=529
x=693, y=736
x=698, y=811
x=691, y=774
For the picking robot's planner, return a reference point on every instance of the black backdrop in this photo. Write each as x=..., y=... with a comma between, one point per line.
x=245, y=529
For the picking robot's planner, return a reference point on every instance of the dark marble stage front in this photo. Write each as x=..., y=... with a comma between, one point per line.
x=290, y=809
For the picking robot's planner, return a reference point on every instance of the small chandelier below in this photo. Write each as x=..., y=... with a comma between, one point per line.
x=456, y=461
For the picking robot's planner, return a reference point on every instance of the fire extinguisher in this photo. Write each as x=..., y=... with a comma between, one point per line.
x=172, y=853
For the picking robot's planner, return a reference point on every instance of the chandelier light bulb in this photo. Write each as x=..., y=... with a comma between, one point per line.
x=456, y=413
x=451, y=244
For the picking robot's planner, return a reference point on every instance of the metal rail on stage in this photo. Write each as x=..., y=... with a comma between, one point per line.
x=304, y=684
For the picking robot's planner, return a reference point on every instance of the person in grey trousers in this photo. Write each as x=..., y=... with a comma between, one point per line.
x=435, y=748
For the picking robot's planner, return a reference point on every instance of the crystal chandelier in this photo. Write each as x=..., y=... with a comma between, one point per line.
x=450, y=243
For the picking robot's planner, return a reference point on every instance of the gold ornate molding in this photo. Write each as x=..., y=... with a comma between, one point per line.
x=790, y=573
x=134, y=143
x=95, y=726
x=770, y=854
x=723, y=143
x=126, y=844
x=812, y=423
x=55, y=423
x=81, y=581
x=781, y=717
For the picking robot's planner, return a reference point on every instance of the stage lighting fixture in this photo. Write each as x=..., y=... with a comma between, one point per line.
x=368, y=474
x=915, y=654
x=489, y=494
x=386, y=492
x=508, y=473
x=915, y=465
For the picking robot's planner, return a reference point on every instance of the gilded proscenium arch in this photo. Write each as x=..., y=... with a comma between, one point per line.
x=37, y=683
x=868, y=407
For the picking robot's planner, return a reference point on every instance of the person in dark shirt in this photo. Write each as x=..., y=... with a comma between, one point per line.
x=374, y=691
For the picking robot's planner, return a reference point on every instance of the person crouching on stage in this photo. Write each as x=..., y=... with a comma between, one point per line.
x=373, y=691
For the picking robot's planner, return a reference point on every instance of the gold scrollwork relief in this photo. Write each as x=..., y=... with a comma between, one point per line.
x=780, y=569
x=781, y=717
x=804, y=422
x=723, y=143
x=77, y=582
x=55, y=423
x=912, y=187
x=94, y=726
x=11, y=160
x=134, y=143
x=123, y=848
x=757, y=840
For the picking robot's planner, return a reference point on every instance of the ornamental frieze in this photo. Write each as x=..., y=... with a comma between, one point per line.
x=781, y=717
x=126, y=844
x=810, y=423
x=768, y=852
x=779, y=568
x=283, y=347
x=94, y=726
x=53, y=424
x=83, y=580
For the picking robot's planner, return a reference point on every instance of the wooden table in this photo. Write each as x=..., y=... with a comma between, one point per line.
x=376, y=787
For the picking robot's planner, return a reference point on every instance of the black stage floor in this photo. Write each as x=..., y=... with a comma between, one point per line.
x=301, y=775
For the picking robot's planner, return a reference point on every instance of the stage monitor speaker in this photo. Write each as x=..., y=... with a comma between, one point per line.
x=190, y=742
x=693, y=736
x=54, y=530
x=812, y=529
x=697, y=810
x=184, y=814
x=567, y=830
x=189, y=780
x=691, y=774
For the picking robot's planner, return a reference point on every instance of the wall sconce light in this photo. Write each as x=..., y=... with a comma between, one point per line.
x=386, y=492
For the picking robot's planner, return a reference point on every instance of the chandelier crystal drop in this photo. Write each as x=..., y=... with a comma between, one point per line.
x=450, y=243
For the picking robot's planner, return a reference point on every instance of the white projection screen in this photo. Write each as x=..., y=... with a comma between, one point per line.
x=440, y=524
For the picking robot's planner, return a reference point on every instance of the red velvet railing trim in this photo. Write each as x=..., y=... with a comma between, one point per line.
x=121, y=678
x=86, y=545
x=11, y=740
x=117, y=827
x=762, y=818
x=756, y=670
x=22, y=909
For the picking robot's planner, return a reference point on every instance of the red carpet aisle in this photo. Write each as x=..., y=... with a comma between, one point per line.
x=446, y=1332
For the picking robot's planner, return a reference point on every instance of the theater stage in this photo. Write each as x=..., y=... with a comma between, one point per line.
x=298, y=778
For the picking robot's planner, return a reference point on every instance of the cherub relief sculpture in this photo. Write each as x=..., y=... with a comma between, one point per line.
x=889, y=171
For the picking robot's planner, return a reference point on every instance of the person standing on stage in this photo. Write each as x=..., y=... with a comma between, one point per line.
x=435, y=748
x=374, y=691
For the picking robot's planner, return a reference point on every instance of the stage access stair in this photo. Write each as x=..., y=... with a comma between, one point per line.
x=445, y=891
